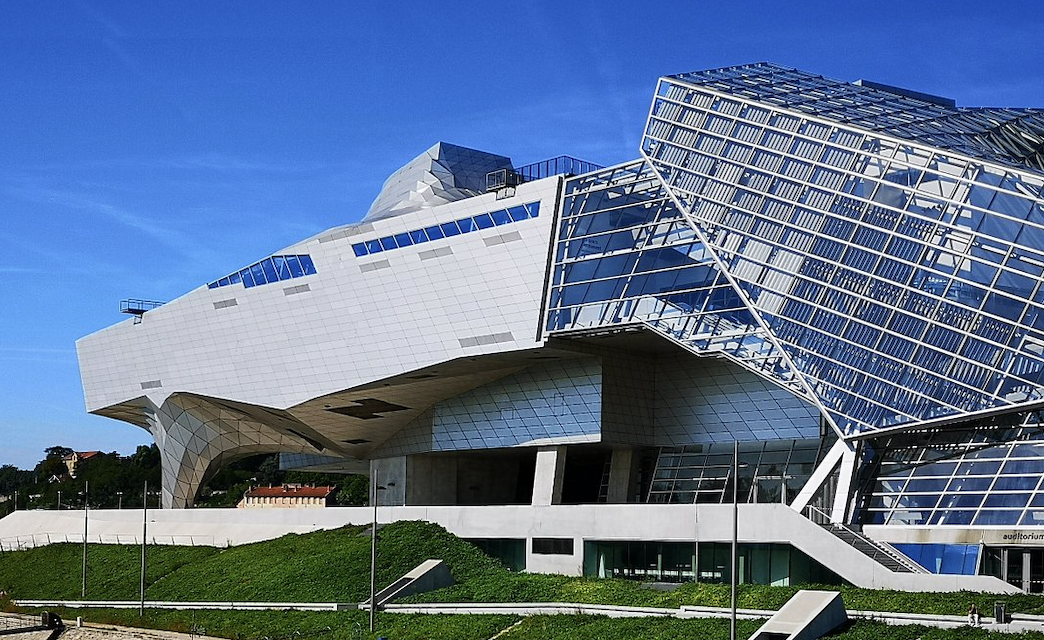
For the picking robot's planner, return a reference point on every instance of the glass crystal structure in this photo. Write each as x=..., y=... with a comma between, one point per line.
x=840, y=281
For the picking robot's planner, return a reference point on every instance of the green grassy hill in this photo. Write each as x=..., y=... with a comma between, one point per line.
x=333, y=566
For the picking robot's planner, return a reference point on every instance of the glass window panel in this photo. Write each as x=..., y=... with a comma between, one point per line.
x=434, y=233
x=306, y=264
x=1023, y=466
x=235, y=278
x=924, y=485
x=1004, y=306
x=978, y=468
x=1016, y=500
x=1016, y=483
x=418, y=236
x=1016, y=284
x=359, y=249
x=403, y=240
x=388, y=243
x=998, y=517
x=936, y=469
x=1000, y=228
x=258, y=274
x=500, y=217
x=282, y=271
x=374, y=246
x=294, y=264
x=450, y=229
x=518, y=213
x=467, y=225
x=534, y=209
x=248, y=278
x=269, y=269
x=952, y=517
x=961, y=500
x=483, y=221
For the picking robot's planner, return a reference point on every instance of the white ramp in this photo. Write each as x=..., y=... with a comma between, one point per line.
x=807, y=616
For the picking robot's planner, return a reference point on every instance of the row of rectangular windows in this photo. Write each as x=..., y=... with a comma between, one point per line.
x=271, y=269
x=448, y=229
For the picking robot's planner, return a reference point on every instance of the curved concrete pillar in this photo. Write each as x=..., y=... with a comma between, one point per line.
x=196, y=437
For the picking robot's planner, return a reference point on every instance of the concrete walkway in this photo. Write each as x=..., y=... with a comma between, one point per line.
x=1017, y=624
x=91, y=631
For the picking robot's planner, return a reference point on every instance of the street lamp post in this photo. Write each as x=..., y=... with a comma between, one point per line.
x=144, y=534
x=735, y=536
x=373, y=548
x=83, y=590
x=119, y=499
x=59, y=499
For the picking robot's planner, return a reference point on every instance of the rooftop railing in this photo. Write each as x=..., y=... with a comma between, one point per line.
x=561, y=165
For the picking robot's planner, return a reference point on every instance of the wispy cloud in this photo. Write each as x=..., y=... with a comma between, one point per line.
x=36, y=354
x=34, y=191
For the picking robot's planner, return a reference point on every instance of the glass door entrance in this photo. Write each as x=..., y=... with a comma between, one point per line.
x=1019, y=567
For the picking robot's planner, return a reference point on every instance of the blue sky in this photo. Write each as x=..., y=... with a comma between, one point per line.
x=149, y=147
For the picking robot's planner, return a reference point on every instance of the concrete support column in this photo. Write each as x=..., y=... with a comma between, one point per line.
x=393, y=480
x=621, y=475
x=549, y=475
x=844, y=485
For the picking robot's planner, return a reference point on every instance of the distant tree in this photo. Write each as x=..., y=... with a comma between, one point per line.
x=268, y=471
x=355, y=491
x=53, y=464
x=57, y=452
x=12, y=478
x=146, y=457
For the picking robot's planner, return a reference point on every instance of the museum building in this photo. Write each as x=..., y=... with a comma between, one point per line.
x=817, y=299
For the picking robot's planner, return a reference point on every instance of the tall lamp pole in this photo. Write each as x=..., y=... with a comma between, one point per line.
x=86, y=494
x=373, y=548
x=144, y=534
x=735, y=535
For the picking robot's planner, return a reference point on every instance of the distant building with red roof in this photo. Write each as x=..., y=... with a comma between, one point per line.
x=287, y=496
x=75, y=458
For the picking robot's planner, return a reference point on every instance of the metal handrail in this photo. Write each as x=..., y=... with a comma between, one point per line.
x=883, y=548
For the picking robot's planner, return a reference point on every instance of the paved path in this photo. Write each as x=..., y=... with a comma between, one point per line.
x=1018, y=623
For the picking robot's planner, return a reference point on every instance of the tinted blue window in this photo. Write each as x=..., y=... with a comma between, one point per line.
x=388, y=243
x=500, y=217
x=466, y=225
x=235, y=278
x=280, y=266
x=269, y=268
x=518, y=213
x=534, y=209
x=450, y=229
x=483, y=221
x=295, y=266
x=248, y=278
x=403, y=239
x=360, y=249
x=258, y=274
x=223, y=282
x=306, y=264
x=435, y=232
x=212, y=285
x=418, y=236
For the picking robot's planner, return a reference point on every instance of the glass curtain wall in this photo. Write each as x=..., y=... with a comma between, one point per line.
x=903, y=281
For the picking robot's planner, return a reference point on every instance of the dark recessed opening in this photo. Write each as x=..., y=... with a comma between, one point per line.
x=368, y=409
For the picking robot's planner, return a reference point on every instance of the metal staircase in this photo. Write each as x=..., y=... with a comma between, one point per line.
x=880, y=552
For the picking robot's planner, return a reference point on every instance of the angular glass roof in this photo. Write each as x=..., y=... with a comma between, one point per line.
x=1010, y=136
